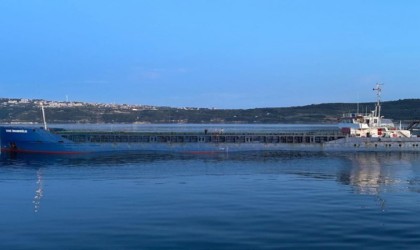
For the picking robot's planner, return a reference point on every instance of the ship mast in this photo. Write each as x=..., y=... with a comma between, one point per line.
x=378, y=90
x=43, y=116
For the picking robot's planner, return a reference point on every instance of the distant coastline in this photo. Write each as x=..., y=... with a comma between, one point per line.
x=27, y=111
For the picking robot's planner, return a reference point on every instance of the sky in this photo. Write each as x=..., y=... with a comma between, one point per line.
x=209, y=53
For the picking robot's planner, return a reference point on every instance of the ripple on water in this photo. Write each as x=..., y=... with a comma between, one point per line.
x=246, y=202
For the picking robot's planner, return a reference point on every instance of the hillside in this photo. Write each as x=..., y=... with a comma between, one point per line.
x=24, y=110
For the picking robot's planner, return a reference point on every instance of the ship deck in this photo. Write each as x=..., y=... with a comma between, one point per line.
x=204, y=137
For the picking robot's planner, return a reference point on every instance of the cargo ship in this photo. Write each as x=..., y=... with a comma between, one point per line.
x=355, y=132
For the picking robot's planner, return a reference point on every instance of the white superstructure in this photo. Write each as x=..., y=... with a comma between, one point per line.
x=372, y=124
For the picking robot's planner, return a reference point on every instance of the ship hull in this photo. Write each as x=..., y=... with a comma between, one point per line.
x=37, y=140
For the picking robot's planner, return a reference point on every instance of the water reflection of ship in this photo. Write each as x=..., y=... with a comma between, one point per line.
x=39, y=192
x=369, y=173
x=365, y=174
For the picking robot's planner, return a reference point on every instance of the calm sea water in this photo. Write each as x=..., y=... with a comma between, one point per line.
x=239, y=201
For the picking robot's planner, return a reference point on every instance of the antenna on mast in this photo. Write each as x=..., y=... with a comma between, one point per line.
x=43, y=116
x=378, y=90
